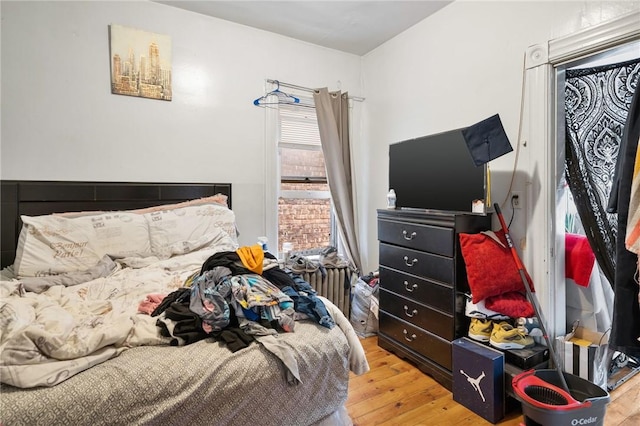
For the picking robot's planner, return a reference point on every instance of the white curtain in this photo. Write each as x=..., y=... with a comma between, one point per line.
x=332, y=109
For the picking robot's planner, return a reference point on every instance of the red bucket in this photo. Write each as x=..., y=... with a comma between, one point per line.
x=545, y=402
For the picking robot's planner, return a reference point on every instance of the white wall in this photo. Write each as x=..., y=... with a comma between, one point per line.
x=455, y=68
x=61, y=122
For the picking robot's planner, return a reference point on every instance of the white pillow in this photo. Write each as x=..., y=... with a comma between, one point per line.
x=186, y=225
x=54, y=244
x=220, y=199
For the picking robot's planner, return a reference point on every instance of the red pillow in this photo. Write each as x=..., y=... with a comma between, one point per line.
x=491, y=268
x=513, y=304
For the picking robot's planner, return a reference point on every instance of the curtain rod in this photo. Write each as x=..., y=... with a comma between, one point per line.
x=306, y=89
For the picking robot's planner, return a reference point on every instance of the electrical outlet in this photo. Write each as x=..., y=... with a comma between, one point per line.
x=516, y=199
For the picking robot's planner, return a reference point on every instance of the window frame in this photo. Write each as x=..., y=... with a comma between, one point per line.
x=273, y=176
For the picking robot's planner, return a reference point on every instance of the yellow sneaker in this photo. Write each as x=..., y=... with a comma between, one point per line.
x=505, y=336
x=480, y=329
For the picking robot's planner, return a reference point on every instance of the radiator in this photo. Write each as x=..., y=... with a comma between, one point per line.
x=335, y=286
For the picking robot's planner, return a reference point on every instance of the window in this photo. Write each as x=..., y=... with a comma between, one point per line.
x=305, y=216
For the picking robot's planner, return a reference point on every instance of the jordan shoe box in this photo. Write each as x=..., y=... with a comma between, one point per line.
x=478, y=378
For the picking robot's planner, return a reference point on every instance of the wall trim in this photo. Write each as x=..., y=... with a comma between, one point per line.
x=594, y=39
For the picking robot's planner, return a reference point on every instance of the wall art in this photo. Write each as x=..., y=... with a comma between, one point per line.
x=140, y=63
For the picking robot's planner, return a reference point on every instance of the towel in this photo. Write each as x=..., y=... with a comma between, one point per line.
x=579, y=259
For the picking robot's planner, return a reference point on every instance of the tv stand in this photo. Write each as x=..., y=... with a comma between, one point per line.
x=422, y=282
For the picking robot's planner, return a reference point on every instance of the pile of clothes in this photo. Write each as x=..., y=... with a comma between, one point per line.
x=239, y=297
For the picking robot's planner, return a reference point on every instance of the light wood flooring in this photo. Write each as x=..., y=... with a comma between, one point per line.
x=395, y=392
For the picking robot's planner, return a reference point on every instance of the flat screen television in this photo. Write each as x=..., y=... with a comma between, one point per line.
x=435, y=172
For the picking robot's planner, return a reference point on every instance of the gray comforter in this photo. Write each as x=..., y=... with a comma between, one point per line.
x=198, y=384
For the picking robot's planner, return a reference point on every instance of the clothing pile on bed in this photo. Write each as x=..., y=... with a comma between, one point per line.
x=238, y=297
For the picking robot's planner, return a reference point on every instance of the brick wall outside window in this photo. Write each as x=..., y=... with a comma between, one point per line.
x=305, y=222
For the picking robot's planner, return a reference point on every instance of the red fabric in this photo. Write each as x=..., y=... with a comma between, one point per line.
x=491, y=268
x=578, y=259
x=513, y=304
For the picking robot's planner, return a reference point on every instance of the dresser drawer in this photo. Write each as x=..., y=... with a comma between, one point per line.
x=415, y=338
x=418, y=263
x=433, y=239
x=430, y=293
x=417, y=314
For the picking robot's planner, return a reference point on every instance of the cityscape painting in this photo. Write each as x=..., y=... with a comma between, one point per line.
x=140, y=63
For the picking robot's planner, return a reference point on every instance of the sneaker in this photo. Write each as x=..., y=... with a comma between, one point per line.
x=329, y=258
x=530, y=327
x=300, y=264
x=479, y=310
x=480, y=329
x=505, y=336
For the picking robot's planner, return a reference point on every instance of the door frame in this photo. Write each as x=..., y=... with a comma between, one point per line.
x=545, y=118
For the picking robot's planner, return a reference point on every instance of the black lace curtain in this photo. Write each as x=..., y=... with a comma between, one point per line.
x=603, y=126
x=597, y=102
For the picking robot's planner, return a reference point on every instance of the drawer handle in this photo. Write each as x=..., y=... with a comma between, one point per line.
x=413, y=287
x=406, y=312
x=412, y=337
x=410, y=237
x=413, y=262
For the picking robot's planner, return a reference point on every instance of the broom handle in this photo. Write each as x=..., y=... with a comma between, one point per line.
x=531, y=296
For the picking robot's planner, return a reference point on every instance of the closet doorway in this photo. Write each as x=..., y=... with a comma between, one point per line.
x=593, y=95
x=544, y=138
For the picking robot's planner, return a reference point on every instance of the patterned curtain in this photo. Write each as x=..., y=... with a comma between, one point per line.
x=597, y=101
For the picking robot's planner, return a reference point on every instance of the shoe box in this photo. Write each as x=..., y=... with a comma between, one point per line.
x=528, y=357
x=478, y=378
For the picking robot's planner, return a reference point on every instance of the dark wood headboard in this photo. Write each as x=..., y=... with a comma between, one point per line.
x=33, y=198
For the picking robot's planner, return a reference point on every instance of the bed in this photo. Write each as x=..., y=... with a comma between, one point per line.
x=88, y=338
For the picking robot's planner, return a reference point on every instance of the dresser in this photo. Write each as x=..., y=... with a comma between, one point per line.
x=422, y=282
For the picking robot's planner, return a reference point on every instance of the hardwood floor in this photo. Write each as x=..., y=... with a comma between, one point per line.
x=395, y=392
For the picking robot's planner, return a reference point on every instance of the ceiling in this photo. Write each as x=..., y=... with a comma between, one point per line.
x=350, y=26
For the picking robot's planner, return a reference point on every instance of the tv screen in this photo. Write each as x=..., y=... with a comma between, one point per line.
x=435, y=172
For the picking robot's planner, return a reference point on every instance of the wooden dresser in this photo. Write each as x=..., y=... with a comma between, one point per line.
x=422, y=281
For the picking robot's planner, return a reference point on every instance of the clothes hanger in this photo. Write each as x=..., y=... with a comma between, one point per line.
x=283, y=98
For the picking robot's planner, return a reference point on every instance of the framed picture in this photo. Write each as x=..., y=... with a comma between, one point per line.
x=140, y=63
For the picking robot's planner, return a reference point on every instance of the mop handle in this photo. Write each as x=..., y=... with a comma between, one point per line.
x=531, y=297
x=503, y=224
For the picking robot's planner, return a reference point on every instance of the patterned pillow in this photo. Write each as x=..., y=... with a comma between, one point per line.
x=172, y=227
x=220, y=199
x=55, y=244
